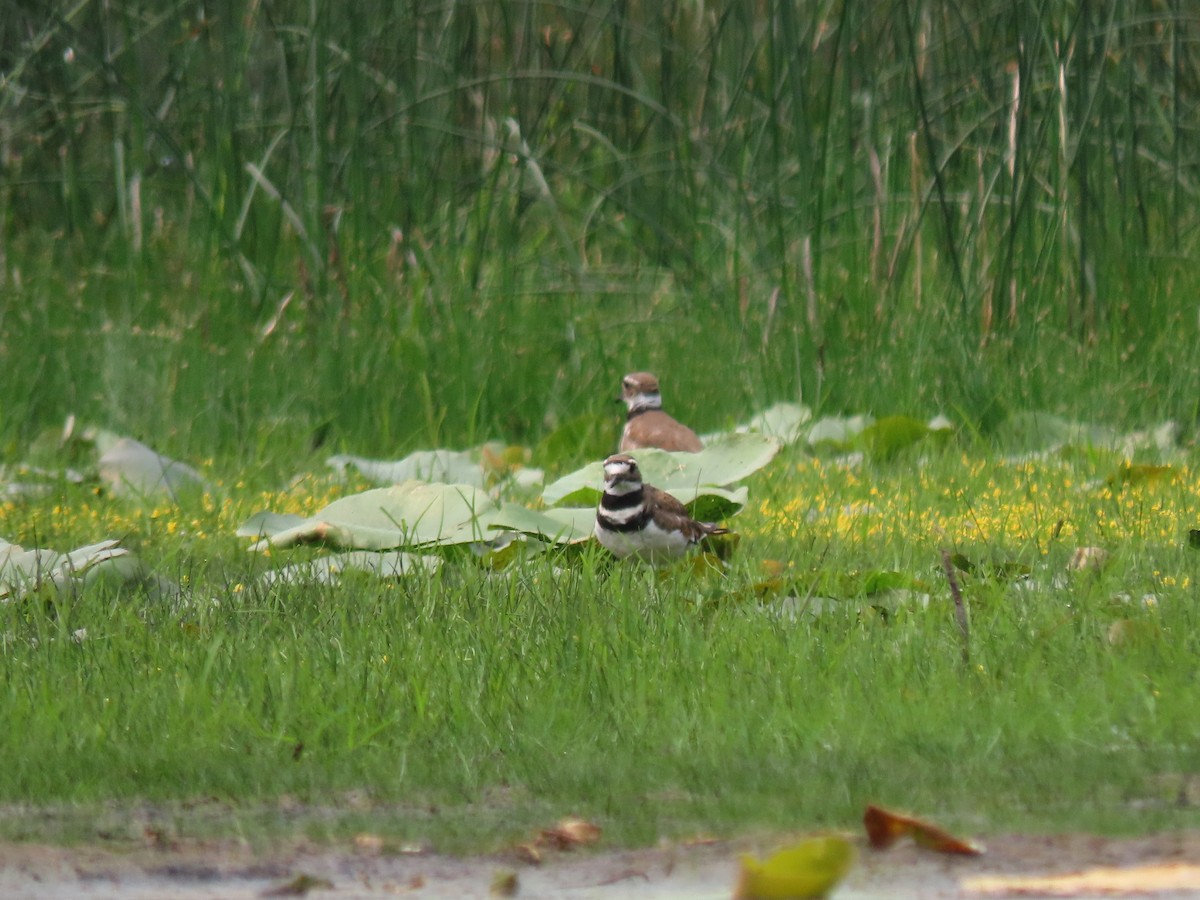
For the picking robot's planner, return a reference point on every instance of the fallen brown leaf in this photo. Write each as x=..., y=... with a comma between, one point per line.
x=298, y=887
x=368, y=843
x=529, y=853
x=569, y=833
x=885, y=827
x=157, y=838
x=624, y=875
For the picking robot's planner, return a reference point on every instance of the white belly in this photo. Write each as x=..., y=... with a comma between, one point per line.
x=651, y=543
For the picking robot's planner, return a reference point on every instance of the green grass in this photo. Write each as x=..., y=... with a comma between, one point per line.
x=845, y=206
x=256, y=240
x=470, y=706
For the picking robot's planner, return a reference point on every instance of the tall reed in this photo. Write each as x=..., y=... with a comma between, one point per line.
x=805, y=175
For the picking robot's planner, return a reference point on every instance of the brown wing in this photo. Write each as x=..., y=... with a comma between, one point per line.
x=665, y=503
x=655, y=428
x=671, y=515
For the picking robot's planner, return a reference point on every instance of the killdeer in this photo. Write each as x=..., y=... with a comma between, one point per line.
x=636, y=519
x=647, y=425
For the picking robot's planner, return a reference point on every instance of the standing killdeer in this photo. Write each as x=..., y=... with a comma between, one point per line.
x=647, y=425
x=636, y=519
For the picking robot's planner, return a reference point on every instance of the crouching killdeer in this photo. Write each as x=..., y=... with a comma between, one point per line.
x=646, y=425
x=636, y=519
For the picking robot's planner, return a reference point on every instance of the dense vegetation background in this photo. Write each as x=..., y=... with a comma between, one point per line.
x=254, y=233
x=397, y=223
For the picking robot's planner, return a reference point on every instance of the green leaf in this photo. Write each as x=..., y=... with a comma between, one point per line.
x=881, y=581
x=415, y=514
x=560, y=525
x=1043, y=430
x=26, y=481
x=1004, y=570
x=712, y=504
x=481, y=466
x=24, y=571
x=962, y=562
x=890, y=435
x=266, y=524
x=1131, y=473
x=130, y=468
x=837, y=432
x=784, y=421
x=685, y=475
x=411, y=514
x=445, y=466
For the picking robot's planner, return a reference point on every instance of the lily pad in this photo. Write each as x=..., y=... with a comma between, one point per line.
x=267, y=524
x=712, y=504
x=25, y=481
x=784, y=421
x=685, y=475
x=481, y=467
x=24, y=571
x=412, y=514
x=837, y=431
x=890, y=435
x=130, y=468
x=1042, y=430
x=446, y=466
x=1039, y=433
x=560, y=525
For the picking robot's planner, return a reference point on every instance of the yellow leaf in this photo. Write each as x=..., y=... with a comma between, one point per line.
x=1140, y=474
x=704, y=563
x=807, y=871
x=505, y=884
x=772, y=580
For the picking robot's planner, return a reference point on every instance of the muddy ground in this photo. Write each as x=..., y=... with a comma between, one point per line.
x=1161, y=867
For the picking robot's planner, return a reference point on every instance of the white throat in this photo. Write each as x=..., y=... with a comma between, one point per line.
x=643, y=402
x=620, y=488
